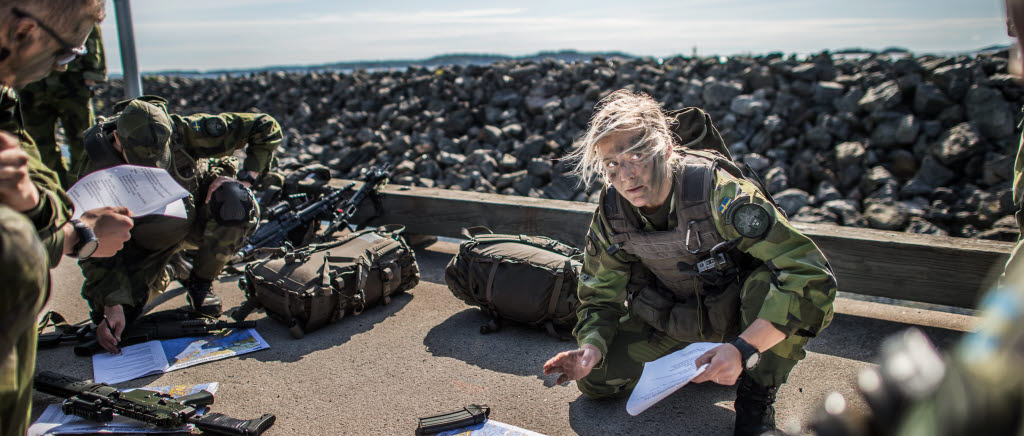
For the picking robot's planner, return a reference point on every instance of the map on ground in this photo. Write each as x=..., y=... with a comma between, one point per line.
x=156, y=357
x=490, y=428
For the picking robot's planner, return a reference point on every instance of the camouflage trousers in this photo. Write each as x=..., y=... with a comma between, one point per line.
x=138, y=268
x=636, y=343
x=23, y=266
x=42, y=109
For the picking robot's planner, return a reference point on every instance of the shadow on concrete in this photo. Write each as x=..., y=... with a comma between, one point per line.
x=515, y=349
x=432, y=264
x=859, y=338
x=694, y=409
x=285, y=348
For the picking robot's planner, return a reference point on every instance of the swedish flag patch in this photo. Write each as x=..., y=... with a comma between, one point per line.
x=196, y=126
x=724, y=205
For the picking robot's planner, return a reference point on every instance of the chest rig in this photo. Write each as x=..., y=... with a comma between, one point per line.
x=687, y=279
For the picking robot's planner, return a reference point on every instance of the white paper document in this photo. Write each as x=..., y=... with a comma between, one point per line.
x=666, y=375
x=143, y=190
x=157, y=357
x=53, y=421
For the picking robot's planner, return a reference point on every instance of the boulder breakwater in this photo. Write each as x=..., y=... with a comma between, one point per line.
x=917, y=144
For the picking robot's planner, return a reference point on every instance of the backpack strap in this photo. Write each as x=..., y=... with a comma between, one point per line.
x=472, y=232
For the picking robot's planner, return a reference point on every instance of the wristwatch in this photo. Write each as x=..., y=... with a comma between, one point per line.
x=87, y=242
x=749, y=355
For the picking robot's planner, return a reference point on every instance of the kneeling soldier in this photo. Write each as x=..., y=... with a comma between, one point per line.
x=684, y=249
x=221, y=211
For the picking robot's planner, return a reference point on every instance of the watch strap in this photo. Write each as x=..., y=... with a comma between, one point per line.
x=746, y=350
x=85, y=235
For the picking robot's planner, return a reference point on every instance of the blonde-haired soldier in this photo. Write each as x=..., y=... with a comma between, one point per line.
x=683, y=249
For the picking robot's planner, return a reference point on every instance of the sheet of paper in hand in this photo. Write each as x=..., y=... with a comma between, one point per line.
x=143, y=190
x=666, y=375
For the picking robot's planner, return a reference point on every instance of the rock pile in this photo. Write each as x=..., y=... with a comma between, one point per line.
x=923, y=145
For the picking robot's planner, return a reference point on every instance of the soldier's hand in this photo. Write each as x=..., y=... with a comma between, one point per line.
x=573, y=365
x=108, y=332
x=725, y=365
x=16, y=189
x=112, y=226
x=220, y=180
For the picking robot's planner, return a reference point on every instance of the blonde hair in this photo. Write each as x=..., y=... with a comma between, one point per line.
x=625, y=111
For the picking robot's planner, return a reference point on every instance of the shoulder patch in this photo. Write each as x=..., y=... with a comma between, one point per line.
x=751, y=220
x=214, y=127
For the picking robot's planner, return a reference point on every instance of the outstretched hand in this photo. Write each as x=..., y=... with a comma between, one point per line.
x=725, y=365
x=573, y=365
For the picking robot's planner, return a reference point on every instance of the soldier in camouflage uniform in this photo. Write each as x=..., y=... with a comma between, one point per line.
x=197, y=151
x=34, y=37
x=982, y=391
x=66, y=96
x=683, y=249
x=23, y=267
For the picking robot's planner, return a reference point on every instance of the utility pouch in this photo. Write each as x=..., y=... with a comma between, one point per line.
x=723, y=311
x=686, y=322
x=652, y=306
x=308, y=288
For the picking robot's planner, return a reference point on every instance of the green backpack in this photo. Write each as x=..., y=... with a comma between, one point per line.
x=525, y=279
x=308, y=288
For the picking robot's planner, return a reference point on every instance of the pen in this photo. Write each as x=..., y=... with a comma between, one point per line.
x=111, y=329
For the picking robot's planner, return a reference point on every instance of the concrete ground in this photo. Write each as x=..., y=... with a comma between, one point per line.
x=423, y=354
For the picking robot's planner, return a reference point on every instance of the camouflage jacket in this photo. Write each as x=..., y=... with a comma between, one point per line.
x=211, y=136
x=54, y=208
x=802, y=287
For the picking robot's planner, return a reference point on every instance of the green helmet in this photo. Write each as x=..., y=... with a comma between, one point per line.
x=144, y=131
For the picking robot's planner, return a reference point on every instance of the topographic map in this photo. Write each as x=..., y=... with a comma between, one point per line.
x=185, y=352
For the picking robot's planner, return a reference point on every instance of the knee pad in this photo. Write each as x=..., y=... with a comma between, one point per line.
x=232, y=205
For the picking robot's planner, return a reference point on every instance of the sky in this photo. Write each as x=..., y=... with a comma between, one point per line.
x=209, y=35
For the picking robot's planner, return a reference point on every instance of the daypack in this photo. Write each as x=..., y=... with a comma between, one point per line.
x=526, y=279
x=310, y=287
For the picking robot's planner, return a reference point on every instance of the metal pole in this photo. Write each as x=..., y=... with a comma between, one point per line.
x=126, y=36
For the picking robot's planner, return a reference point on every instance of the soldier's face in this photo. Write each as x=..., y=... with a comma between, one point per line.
x=38, y=50
x=632, y=174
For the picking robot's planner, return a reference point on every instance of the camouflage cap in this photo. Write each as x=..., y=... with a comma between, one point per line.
x=144, y=131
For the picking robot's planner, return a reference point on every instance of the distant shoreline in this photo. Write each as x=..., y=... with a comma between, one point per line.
x=488, y=59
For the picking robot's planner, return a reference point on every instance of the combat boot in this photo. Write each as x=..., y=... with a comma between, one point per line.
x=755, y=414
x=200, y=296
x=179, y=268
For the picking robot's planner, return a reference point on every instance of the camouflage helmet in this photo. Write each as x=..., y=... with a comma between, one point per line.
x=144, y=131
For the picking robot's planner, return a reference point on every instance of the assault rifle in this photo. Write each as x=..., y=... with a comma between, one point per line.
x=169, y=324
x=100, y=402
x=285, y=217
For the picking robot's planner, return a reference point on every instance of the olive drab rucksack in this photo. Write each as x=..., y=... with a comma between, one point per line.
x=692, y=129
x=526, y=279
x=318, y=284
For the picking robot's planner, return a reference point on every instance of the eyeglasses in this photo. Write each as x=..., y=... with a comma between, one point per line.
x=67, y=51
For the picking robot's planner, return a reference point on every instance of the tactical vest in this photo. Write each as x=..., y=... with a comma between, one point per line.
x=695, y=296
